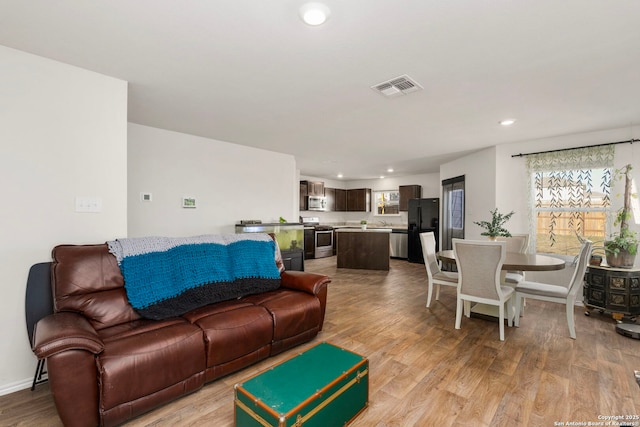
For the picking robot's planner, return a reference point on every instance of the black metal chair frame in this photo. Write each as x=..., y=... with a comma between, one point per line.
x=38, y=304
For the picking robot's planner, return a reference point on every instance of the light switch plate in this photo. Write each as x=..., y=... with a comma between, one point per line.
x=88, y=204
x=146, y=197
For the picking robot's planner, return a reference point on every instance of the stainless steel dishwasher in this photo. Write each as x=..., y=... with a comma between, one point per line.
x=399, y=243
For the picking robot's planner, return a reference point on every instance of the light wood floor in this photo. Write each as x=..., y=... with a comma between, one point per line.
x=423, y=372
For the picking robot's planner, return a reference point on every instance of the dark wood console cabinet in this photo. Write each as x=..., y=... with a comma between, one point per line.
x=616, y=290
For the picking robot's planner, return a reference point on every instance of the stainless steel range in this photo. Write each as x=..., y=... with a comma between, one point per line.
x=322, y=237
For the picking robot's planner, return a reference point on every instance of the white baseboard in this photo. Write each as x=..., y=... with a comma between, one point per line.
x=16, y=386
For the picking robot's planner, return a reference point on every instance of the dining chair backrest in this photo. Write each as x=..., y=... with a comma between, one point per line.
x=479, y=264
x=518, y=243
x=428, y=241
x=581, y=267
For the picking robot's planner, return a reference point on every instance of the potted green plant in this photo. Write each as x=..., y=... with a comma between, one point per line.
x=495, y=227
x=622, y=247
x=363, y=224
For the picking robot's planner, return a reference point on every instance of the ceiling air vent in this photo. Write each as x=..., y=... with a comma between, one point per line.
x=397, y=86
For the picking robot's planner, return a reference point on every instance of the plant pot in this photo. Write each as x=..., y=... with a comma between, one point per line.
x=623, y=260
x=595, y=260
x=363, y=226
x=492, y=238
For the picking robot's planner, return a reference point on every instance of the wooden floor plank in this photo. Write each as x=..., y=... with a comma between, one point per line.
x=423, y=372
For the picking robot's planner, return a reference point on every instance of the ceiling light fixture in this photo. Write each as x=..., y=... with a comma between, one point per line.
x=340, y=175
x=314, y=13
x=390, y=170
x=381, y=176
x=507, y=122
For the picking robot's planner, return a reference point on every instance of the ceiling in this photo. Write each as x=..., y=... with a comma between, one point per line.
x=251, y=72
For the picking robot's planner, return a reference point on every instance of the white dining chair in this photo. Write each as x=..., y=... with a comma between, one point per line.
x=435, y=275
x=518, y=243
x=557, y=293
x=479, y=265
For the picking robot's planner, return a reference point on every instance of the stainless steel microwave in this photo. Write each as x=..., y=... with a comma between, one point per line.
x=317, y=203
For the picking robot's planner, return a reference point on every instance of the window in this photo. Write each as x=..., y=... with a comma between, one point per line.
x=570, y=198
x=456, y=206
x=386, y=202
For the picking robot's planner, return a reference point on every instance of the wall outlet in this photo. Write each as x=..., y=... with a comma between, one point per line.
x=88, y=204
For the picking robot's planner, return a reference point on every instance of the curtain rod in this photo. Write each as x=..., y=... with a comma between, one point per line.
x=630, y=141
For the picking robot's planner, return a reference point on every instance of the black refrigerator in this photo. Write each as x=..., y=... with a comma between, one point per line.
x=424, y=215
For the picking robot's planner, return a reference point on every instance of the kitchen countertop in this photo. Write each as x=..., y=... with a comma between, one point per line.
x=371, y=224
x=360, y=230
x=272, y=224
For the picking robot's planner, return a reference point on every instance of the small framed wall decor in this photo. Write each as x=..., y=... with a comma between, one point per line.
x=189, y=202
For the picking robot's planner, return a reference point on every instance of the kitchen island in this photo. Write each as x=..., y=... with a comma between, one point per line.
x=364, y=249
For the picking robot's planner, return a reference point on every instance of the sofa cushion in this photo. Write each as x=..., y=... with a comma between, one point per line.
x=293, y=312
x=86, y=279
x=231, y=333
x=146, y=359
x=136, y=327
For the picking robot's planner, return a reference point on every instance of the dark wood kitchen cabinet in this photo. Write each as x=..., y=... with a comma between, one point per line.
x=341, y=200
x=314, y=188
x=408, y=192
x=304, y=202
x=336, y=199
x=359, y=200
x=330, y=194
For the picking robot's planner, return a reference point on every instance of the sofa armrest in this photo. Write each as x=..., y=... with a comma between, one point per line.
x=311, y=283
x=64, y=331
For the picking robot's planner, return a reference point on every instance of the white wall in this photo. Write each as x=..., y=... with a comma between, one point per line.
x=63, y=134
x=430, y=188
x=230, y=182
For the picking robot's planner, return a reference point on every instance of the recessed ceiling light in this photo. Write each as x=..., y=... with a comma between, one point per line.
x=314, y=13
x=340, y=175
x=381, y=177
x=390, y=170
x=507, y=122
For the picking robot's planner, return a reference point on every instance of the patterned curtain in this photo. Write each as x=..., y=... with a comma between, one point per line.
x=563, y=181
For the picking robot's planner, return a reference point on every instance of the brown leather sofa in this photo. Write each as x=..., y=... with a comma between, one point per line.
x=106, y=364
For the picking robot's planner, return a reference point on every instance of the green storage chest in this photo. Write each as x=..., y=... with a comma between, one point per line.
x=322, y=387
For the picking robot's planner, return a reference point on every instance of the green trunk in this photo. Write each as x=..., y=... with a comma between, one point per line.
x=324, y=386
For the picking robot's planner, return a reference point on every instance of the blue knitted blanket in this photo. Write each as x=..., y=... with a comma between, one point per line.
x=166, y=277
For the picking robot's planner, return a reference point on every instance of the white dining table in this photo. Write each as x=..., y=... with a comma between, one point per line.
x=513, y=261
x=517, y=261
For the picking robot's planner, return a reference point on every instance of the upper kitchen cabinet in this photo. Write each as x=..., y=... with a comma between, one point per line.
x=330, y=194
x=336, y=199
x=304, y=202
x=314, y=188
x=341, y=200
x=409, y=192
x=359, y=200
